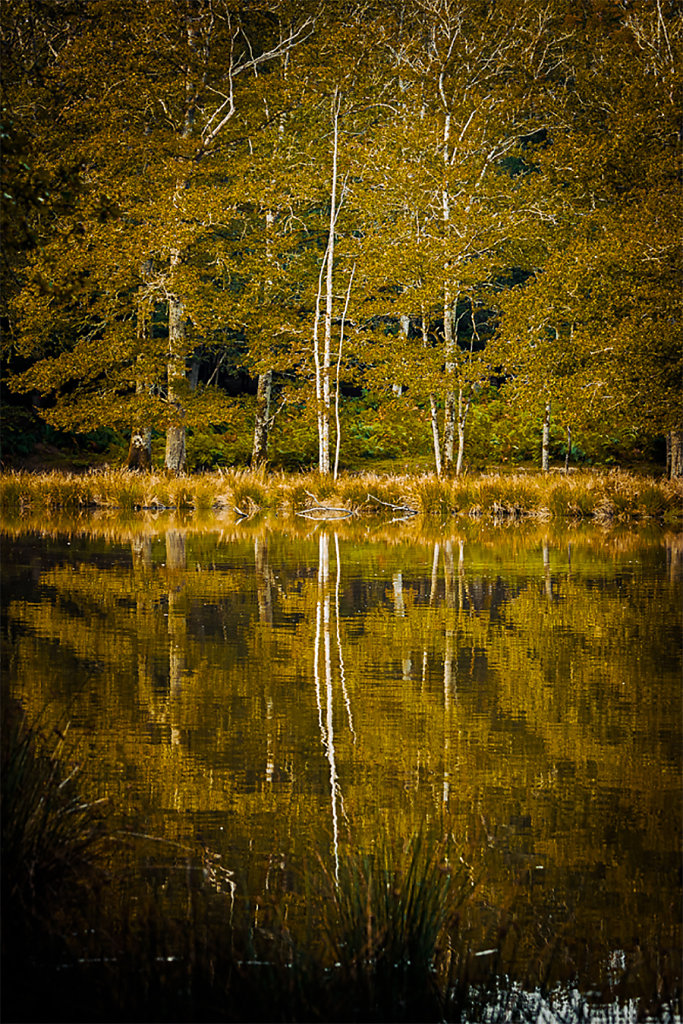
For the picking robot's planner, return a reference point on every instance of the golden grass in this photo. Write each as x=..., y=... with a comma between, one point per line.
x=601, y=496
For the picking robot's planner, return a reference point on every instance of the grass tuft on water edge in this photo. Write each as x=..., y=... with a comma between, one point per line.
x=388, y=925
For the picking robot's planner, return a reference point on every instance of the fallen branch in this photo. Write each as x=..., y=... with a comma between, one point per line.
x=390, y=504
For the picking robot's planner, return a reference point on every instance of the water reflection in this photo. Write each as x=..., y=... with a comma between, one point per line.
x=283, y=691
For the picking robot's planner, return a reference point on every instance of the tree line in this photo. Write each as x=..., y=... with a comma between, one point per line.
x=426, y=199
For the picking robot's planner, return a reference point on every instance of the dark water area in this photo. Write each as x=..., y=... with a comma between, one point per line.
x=284, y=692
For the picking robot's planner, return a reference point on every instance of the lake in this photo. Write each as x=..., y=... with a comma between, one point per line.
x=285, y=690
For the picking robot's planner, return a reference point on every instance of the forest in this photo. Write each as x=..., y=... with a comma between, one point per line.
x=318, y=233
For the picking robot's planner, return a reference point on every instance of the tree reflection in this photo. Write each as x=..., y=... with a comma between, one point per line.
x=541, y=732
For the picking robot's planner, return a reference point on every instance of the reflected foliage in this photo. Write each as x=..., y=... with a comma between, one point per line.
x=281, y=689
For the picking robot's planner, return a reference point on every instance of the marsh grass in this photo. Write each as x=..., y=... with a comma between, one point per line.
x=51, y=833
x=388, y=925
x=53, y=840
x=614, y=495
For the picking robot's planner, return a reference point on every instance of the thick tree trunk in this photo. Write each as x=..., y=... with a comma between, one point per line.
x=264, y=392
x=675, y=453
x=545, y=450
x=176, y=373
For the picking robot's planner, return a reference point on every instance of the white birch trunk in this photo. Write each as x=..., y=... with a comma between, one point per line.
x=463, y=409
x=323, y=362
x=449, y=341
x=568, y=452
x=336, y=387
x=545, y=450
x=434, y=411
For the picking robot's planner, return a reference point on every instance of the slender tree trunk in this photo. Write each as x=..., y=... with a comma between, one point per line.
x=398, y=387
x=449, y=400
x=449, y=341
x=434, y=416
x=139, y=457
x=545, y=451
x=434, y=412
x=323, y=363
x=568, y=452
x=337, y=419
x=264, y=388
x=463, y=410
x=675, y=445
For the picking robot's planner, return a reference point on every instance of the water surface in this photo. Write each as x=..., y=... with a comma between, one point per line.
x=286, y=690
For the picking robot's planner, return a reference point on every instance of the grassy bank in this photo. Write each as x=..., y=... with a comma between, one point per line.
x=600, y=496
x=101, y=923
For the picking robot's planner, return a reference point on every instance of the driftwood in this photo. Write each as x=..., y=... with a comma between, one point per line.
x=390, y=504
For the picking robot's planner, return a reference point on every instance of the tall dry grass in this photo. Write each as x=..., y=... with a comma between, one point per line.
x=601, y=496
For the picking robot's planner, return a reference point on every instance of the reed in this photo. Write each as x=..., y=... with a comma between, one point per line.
x=602, y=496
x=388, y=926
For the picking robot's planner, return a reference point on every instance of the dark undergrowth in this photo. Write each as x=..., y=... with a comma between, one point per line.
x=102, y=924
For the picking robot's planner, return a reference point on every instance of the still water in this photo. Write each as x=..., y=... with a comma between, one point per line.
x=285, y=690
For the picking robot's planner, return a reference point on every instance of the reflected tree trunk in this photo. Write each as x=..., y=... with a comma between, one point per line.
x=546, y=571
x=264, y=590
x=264, y=599
x=322, y=673
x=342, y=672
x=176, y=565
x=141, y=552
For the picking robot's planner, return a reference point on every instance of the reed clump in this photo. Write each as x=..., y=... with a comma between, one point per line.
x=601, y=496
x=389, y=926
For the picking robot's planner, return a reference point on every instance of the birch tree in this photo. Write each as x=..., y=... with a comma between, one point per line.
x=594, y=330
x=466, y=96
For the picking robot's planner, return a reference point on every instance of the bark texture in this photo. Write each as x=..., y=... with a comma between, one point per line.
x=545, y=450
x=176, y=373
x=264, y=391
x=675, y=454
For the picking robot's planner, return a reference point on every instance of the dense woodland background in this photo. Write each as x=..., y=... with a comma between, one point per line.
x=325, y=232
